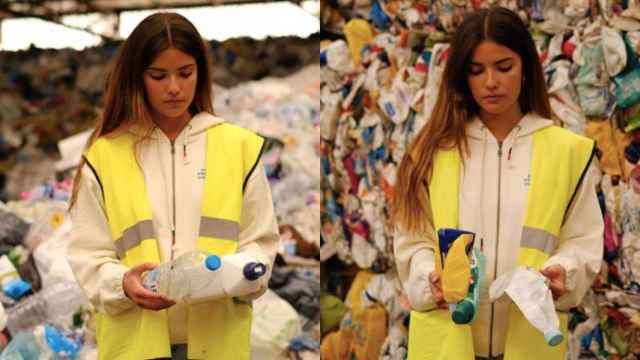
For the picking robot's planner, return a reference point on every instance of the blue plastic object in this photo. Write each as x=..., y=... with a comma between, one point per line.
x=17, y=288
x=380, y=19
x=213, y=262
x=61, y=344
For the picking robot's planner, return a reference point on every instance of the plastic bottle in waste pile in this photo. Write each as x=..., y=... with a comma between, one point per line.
x=26, y=314
x=63, y=300
x=56, y=305
x=197, y=277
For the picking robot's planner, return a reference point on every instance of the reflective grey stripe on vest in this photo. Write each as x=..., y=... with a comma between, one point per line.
x=538, y=239
x=219, y=228
x=133, y=236
x=209, y=227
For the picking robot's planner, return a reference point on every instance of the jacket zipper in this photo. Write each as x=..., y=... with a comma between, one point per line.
x=173, y=190
x=495, y=264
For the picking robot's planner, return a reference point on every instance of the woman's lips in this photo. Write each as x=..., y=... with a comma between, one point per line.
x=492, y=98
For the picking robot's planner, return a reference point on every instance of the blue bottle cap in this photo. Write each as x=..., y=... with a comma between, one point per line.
x=213, y=262
x=17, y=288
x=553, y=337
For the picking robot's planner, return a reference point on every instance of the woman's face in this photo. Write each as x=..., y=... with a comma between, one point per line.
x=495, y=78
x=170, y=83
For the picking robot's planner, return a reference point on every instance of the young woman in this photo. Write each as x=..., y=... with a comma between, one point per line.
x=490, y=161
x=163, y=176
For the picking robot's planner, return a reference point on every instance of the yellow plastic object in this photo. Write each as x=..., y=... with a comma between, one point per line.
x=456, y=274
x=358, y=33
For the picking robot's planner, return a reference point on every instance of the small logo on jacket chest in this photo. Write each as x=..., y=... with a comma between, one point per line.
x=202, y=173
x=527, y=180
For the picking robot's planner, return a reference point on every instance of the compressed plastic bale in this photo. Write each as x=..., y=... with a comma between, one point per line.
x=611, y=142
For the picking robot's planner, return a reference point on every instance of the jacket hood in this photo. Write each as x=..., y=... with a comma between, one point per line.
x=201, y=122
x=528, y=125
x=198, y=124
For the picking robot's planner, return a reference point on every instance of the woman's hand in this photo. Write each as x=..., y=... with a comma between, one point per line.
x=146, y=299
x=557, y=276
x=436, y=290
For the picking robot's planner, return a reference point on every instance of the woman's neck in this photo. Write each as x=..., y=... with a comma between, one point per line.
x=172, y=127
x=501, y=125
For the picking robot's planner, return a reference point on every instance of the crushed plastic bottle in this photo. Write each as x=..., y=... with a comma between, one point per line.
x=197, y=277
x=529, y=291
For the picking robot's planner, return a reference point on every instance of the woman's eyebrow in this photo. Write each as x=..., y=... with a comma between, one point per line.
x=163, y=69
x=497, y=62
x=503, y=60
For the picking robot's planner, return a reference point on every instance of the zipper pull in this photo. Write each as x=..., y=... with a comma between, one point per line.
x=184, y=151
x=509, y=155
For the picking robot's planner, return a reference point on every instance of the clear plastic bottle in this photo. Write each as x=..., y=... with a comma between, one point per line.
x=55, y=304
x=26, y=314
x=63, y=300
x=197, y=277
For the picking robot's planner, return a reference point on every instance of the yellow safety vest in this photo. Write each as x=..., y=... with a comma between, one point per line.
x=218, y=329
x=559, y=161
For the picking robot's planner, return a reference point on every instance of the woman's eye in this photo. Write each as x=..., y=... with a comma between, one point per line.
x=505, y=69
x=475, y=71
x=185, y=75
x=157, y=77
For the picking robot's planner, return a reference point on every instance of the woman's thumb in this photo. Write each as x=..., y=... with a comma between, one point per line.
x=139, y=269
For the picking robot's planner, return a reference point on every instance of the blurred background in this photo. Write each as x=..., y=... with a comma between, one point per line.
x=53, y=60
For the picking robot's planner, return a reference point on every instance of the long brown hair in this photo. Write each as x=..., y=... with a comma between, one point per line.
x=455, y=107
x=125, y=101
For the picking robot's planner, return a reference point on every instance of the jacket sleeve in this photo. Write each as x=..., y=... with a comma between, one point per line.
x=91, y=251
x=415, y=260
x=259, y=235
x=580, y=248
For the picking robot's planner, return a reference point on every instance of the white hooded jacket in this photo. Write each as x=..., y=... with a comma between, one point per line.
x=92, y=253
x=494, y=184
